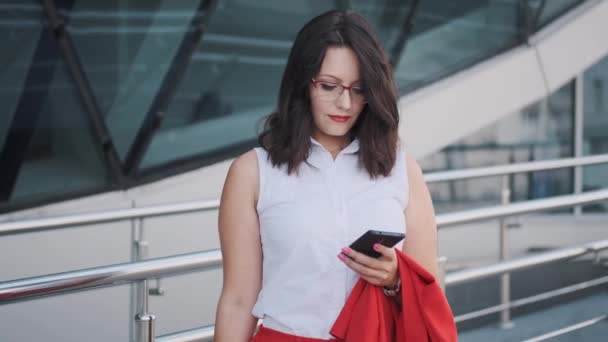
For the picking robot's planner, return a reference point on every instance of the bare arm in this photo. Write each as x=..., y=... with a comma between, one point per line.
x=421, y=240
x=241, y=252
x=420, y=243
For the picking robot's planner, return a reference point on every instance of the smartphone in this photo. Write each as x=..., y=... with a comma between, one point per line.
x=365, y=243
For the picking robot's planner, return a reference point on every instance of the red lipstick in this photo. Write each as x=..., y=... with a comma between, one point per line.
x=339, y=118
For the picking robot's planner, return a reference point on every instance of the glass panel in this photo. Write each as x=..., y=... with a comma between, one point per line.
x=126, y=49
x=233, y=79
x=451, y=35
x=20, y=35
x=595, y=131
x=550, y=10
x=387, y=17
x=541, y=131
x=242, y=61
x=49, y=147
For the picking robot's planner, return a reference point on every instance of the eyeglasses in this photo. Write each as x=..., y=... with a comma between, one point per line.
x=331, y=91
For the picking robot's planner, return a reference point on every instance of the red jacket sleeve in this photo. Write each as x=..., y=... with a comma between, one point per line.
x=368, y=315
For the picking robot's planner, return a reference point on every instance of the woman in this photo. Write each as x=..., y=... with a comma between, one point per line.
x=330, y=168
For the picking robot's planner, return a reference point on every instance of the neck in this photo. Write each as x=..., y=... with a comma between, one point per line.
x=333, y=144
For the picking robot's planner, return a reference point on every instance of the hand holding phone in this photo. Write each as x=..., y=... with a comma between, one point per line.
x=365, y=243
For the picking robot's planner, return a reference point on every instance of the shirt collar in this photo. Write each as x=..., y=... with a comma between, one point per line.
x=320, y=158
x=353, y=147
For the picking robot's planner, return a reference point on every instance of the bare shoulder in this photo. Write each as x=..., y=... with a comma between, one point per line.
x=414, y=171
x=245, y=163
x=243, y=173
x=419, y=196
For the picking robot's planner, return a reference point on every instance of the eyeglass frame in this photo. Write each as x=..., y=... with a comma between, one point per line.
x=349, y=88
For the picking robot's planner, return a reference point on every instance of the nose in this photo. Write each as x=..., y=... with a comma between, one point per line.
x=344, y=100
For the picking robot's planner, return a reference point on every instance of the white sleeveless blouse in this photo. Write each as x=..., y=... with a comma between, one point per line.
x=305, y=220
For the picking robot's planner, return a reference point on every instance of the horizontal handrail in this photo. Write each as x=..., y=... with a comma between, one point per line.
x=457, y=277
x=35, y=287
x=44, y=224
x=205, y=334
x=49, y=223
x=115, y=274
x=53, y=284
x=569, y=329
x=542, y=165
x=202, y=334
x=532, y=299
x=525, y=207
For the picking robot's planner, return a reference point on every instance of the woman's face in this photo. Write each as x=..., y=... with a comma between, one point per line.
x=334, y=114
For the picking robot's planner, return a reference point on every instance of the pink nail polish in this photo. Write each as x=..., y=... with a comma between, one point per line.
x=346, y=250
x=341, y=257
x=377, y=246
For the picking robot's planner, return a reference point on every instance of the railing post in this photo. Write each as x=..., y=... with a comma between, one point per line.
x=146, y=328
x=578, y=137
x=505, y=279
x=139, y=251
x=143, y=320
x=442, y=262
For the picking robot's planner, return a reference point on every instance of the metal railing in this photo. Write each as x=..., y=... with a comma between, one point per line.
x=202, y=334
x=50, y=223
x=35, y=287
x=500, y=170
x=533, y=299
x=141, y=271
x=505, y=171
x=112, y=275
x=569, y=329
x=56, y=284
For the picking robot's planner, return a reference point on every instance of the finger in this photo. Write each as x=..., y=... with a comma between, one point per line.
x=387, y=252
x=363, y=259
x=361, y=269
x=372, y=276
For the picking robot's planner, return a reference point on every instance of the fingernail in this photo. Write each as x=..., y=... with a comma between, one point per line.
x=377, y=246
x=346, y=250
x=341, y=257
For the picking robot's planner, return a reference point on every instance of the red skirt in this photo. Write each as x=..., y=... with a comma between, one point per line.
x=268, y=335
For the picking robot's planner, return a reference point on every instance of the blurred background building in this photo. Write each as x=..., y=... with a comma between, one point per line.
x=109, y=105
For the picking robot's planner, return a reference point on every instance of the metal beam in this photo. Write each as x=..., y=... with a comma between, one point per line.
x=26, y=120
x=169, y=85
x=404, y=33
x=82, y=85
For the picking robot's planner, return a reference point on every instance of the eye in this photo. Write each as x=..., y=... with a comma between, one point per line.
x=327, y=86
x=357, y=90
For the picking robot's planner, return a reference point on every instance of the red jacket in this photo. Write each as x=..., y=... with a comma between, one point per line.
x=425, y=315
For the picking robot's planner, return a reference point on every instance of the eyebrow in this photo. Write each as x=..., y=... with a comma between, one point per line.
x=338, y=78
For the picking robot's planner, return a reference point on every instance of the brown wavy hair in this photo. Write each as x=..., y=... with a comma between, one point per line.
x=287, y=131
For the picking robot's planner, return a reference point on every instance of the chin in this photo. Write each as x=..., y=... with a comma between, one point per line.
x=337, y=132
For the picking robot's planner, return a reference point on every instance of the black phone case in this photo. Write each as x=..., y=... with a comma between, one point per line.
x=365, y=243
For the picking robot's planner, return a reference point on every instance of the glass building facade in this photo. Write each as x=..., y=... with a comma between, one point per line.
x=105, y=95
x=595, y=127
x=541, y=131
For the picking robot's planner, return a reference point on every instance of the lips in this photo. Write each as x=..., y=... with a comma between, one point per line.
x=339, y=118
